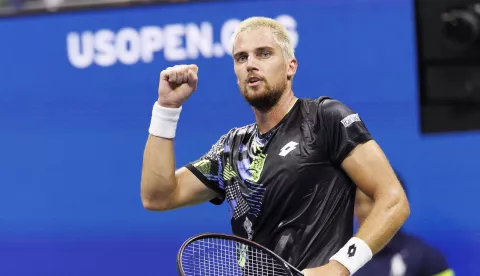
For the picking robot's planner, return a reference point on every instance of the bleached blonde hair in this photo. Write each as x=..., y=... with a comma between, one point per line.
x=280, y=33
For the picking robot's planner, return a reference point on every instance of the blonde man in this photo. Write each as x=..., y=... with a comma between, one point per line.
x=290, y=177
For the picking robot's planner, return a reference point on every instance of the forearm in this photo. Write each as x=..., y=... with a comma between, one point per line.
x=387, y=216
x=158, y=179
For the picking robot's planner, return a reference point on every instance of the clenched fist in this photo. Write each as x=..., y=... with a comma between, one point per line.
x=177, y=85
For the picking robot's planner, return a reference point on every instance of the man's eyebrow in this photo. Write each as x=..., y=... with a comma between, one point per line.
x=264, y=48
x=239, y=53
x=256, y=50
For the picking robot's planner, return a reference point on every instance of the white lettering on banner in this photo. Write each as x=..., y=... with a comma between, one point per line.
x=199, y=40
x=105, y=55
x=128, y=46
x=173, y=43
x=226, y=34
x=152, y=42
x=79, y=55
x=178, y=42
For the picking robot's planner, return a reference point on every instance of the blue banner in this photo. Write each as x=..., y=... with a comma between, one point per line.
x=77, y=90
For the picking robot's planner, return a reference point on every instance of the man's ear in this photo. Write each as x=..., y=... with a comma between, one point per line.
x=291, y=68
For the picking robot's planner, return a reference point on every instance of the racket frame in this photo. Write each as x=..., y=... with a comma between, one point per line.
x=291, y=270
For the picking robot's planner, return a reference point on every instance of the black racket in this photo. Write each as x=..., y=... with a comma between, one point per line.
x=213, y=254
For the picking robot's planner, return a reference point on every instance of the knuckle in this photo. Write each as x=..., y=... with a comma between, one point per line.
x=166, y=71
x=178, y=67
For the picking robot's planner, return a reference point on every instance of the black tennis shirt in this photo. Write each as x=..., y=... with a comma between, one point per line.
x=286, y=189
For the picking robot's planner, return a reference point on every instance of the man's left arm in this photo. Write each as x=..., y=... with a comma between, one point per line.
x=367, y=166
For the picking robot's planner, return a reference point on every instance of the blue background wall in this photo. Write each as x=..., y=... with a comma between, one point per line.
x=72, y=139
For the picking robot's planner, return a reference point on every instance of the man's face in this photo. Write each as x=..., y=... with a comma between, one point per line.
x=363, y=206
x=261, y=69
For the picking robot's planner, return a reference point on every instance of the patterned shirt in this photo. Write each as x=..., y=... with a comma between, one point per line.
x=285, y=188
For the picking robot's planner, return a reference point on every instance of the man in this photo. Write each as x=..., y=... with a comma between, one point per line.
x=404, y=255
x=289, y=178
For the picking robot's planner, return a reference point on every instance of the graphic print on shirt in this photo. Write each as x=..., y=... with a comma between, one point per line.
x=250, y=162
x=237, y=171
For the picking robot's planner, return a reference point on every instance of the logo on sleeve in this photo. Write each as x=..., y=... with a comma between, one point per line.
x=350, y=119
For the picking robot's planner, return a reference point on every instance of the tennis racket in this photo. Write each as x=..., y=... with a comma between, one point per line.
x=213, y=254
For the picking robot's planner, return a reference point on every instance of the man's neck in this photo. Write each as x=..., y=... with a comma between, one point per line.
x=266, y=120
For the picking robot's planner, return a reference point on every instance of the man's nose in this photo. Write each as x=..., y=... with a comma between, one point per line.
x=251, y=63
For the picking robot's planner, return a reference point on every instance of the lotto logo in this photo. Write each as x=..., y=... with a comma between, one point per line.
x=288, y=148
x=352, y=250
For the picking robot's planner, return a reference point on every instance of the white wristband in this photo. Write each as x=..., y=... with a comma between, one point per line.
x=353, y=255
x=164, y=121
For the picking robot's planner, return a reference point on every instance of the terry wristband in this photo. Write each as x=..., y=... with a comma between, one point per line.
x=353, y=255
x=164, y=121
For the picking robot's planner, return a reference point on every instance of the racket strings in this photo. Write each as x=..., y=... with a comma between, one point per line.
x=222, y=257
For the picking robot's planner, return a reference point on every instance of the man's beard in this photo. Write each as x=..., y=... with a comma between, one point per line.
x=264, y=101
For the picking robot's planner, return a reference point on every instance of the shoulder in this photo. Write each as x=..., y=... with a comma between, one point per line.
x=314, y=102
x=326, y=105
x=334, y=107
x=330, y=111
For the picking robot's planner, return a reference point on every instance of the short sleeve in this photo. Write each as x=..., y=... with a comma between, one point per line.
x=434, y=263
x=208, y=169
x=342, y=128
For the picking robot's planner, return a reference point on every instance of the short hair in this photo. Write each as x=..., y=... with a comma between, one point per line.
x=280, y=33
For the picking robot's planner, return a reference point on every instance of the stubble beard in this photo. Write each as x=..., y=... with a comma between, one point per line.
x=266, y=99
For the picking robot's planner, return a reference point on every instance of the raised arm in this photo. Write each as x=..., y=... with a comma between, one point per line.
x=163, y=187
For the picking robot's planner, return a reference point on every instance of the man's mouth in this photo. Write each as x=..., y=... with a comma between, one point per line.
x=254, y=81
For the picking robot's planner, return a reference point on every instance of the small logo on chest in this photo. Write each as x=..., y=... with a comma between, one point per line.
x=288, y=148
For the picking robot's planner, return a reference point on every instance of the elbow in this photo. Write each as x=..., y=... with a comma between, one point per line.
x=404, y=209
x=153, y=200
x=152, y=204
x=156, y=194
x=400, y=205
x=395, y=203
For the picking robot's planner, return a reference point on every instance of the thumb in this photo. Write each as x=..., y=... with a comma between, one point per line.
x=192, y=79
x=193, y=67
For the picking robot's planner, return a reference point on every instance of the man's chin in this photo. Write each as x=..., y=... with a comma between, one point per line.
x=260, y=101
x=254, y=93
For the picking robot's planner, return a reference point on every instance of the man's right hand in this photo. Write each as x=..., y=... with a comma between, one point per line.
x=177, y=84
